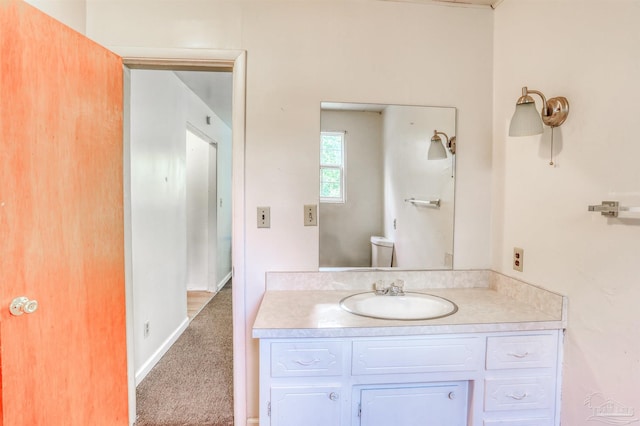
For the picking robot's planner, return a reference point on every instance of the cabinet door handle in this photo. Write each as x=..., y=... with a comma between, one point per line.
x=334, y=396
x=307, y=363
x=518, y=397
x=518, y=355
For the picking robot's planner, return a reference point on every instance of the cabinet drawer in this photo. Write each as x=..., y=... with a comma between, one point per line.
x=306, y=359
x=528, y=351
x=520, y=422
x=417, y=355
x=521, y=393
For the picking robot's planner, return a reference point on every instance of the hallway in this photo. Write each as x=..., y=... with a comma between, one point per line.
x=192, y=385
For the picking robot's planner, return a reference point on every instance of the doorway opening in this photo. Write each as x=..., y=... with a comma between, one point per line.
x=180, y=165
x=202, y=219
x=168, y=183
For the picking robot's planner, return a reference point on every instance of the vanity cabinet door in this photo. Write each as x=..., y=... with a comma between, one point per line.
x=306, y=405
x=433, y=404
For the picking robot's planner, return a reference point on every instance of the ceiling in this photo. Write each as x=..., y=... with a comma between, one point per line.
x=213, y=87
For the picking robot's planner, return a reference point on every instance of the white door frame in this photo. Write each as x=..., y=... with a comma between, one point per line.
x=204, y=60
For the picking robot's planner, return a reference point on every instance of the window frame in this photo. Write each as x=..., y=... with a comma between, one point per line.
x=342, y=168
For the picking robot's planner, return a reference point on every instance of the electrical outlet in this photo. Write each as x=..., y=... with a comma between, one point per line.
x=518, y=259
x=264, y=217
x=146, y=329
x=310, y=215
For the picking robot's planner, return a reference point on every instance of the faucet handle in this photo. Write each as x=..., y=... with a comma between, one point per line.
x=397, y=288
x=379, y=287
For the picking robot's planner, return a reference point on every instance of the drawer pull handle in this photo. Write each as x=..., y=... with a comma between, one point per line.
x=307, y=363
x=518, y=397
x=524, y=355
x=334, y=396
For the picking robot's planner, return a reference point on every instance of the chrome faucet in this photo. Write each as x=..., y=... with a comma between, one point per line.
x=395, y=289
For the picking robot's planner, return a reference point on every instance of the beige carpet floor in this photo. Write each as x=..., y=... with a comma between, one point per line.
x=192, y=385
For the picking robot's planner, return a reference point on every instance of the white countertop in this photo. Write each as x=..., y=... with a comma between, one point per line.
x=317, y=313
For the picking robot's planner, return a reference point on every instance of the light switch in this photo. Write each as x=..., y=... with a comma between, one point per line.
x=264, y=217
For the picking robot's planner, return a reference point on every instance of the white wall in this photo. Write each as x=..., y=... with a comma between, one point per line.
x=346, y=229
x=300, y=53
x=72, y=13
x=423, y=236
x=588, y=52
x=161, y=107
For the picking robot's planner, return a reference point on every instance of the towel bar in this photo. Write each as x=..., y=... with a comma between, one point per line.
x=429, y=203
x=612, y=208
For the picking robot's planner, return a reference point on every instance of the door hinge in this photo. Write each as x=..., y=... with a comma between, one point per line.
x=269, y=409
x=359, y=409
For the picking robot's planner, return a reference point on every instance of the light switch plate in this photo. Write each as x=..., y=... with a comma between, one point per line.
x=264, y=217
x=310, y=215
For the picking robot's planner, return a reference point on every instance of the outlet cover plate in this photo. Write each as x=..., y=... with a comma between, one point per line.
x=518, y=259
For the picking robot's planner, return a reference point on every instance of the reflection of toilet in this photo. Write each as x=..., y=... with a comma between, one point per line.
x=381, y=251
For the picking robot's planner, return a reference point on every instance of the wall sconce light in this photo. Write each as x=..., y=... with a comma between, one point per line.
x=527, y=122
x=437, y=148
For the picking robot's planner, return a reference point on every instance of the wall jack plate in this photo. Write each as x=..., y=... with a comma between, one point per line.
x=518, y=259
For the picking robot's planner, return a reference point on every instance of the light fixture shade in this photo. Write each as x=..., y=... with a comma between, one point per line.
x=526, y=120
x=436, y=149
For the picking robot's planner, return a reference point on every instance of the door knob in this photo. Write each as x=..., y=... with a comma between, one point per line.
x=22, y=305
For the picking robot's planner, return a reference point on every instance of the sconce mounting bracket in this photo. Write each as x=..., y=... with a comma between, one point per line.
x=557, y=111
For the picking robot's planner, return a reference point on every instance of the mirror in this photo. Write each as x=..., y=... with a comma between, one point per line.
x=385, y=187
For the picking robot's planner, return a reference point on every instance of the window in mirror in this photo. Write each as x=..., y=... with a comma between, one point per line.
x=332, y=167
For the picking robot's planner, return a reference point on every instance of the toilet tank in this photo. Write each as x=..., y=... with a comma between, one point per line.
x=381, y=251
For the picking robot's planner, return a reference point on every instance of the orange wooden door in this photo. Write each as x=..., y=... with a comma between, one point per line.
x=61, y=225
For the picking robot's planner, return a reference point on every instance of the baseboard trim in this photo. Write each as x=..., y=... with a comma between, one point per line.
x=223, y=282
x=153, y=359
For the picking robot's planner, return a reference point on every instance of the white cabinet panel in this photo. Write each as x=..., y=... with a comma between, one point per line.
x=306, y=359
x=528, y=351
x=520, y=393
x=306, y=405
x=433, y=404
x=478, y=379
x=417, y=355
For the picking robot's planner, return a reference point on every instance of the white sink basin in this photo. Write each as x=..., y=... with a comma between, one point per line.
x=411, y=306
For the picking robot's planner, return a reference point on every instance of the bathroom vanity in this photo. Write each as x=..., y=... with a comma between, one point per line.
x=496, y=361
